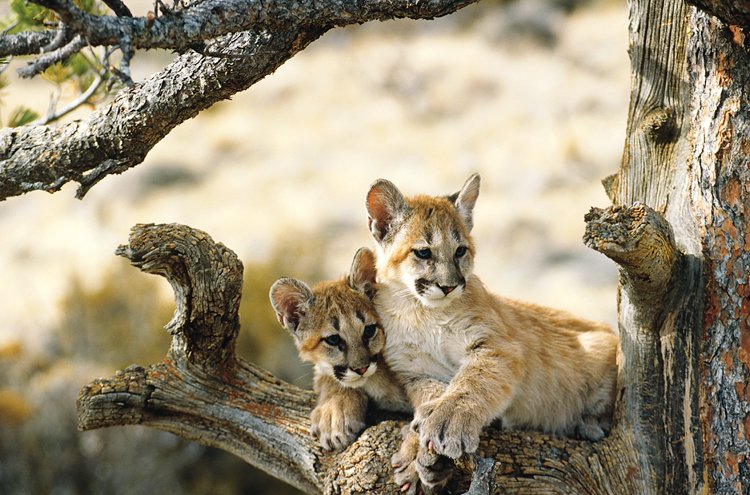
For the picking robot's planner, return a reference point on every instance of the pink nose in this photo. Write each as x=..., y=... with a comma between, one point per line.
x=447, y=289
x=361, y=371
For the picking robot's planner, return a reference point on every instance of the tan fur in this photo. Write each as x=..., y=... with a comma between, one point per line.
x=341, y=308
x=467, y=357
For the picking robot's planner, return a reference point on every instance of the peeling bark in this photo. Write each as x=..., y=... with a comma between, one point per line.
x=721, y=122
x=685, y=371
x=735, y=12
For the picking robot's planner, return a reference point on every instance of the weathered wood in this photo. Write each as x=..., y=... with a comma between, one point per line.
x=119, y=135
x=201, y=391
x=686, y=367
x=735, y=12
x=641, y=241
x=207, y=282
x=660, y=332
x=720, y=118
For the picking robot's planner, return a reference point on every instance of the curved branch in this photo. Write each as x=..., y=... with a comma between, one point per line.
x=214, y=18
x=200, y=391
x=207, y=281
x=120, y=135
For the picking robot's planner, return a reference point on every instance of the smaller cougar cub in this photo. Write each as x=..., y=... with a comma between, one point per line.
x=336, y=328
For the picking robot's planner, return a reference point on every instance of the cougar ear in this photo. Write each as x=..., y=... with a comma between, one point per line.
x=386, y=206
x=291, y=299
x=465, y=199
x=362, y=272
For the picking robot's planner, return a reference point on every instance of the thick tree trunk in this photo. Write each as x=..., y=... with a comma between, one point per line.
x=686, y=355
x=678, y=231
x=720, y=168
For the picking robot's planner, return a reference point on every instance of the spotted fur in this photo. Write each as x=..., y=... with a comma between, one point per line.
x=336, y=328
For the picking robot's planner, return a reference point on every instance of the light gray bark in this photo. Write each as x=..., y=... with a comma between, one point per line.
x=118, y=136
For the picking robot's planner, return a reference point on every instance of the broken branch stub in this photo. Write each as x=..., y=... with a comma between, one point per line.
x=641, y=241
x=207, y=282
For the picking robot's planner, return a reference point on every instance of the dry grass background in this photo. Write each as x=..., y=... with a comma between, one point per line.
x=532, y=97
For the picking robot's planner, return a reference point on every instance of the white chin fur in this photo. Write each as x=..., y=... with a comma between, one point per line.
x=355, y=380
x=434, y=297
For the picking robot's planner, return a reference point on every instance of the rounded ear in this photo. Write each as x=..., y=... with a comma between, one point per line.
x=385, y=206
x=362, y=272
x=465, y=199
x=291, y=299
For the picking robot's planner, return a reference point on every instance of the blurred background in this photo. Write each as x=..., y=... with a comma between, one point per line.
x=532, y=94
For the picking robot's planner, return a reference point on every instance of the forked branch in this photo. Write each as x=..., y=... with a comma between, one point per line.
x=202, y=392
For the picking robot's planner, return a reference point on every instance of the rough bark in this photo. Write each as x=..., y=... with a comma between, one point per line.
x=686, y=366
x=720, y=119
x=201, y=391
x=735, y=12
x=119, y=135
x=209, y=19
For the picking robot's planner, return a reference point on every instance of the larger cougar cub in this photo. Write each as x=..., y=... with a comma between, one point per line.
x=335, y=327
x=465, y=356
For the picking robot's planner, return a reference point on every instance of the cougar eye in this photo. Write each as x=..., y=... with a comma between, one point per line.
x=460, y=251
x=423, y=254
x=333, y=340
x=370, y=331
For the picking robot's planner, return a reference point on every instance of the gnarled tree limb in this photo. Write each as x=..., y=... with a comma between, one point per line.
x=26, y=43
x=211, y=19
x=124, y=131
x=201, y=391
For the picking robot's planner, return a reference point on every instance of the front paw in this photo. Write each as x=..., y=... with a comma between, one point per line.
x=434, y=470
x=448, y=428
x=417, y=471
x=335, y=425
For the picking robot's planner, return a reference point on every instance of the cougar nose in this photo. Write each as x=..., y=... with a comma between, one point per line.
x=360, y=371
x=447, y=289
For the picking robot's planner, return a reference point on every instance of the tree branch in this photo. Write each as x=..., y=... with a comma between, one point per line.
x=26, y=43
x=214, y=18
x=118, y=7
x=49, y=59
x=122, y=133
x=200, y=391
x=641, y=241
x=55, y=114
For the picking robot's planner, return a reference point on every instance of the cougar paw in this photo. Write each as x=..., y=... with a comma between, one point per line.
x=418, y=471
x=447, y=428
x=434, y=470
x=334, y=426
